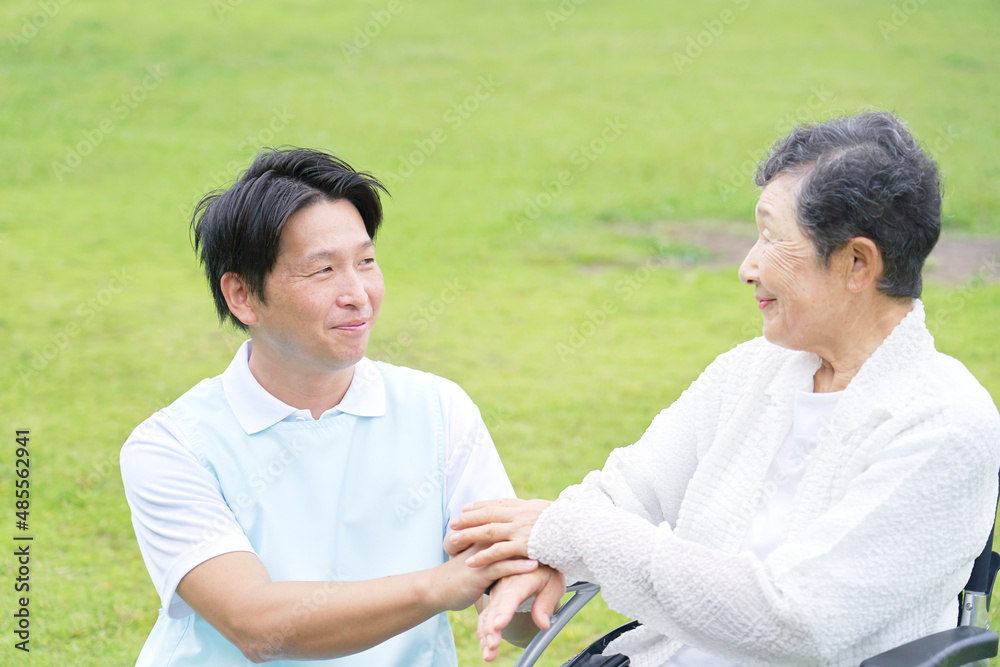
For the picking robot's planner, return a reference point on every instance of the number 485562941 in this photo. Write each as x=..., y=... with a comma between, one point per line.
x=22, y=470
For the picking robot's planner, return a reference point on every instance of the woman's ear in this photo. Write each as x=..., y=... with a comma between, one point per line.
x=864, y=263
x=238, y=298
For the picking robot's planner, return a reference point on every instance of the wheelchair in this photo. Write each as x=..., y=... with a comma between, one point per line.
x=972, y=642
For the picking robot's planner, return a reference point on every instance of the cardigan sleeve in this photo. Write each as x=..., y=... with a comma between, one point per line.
x=649, y=477
x=905, y=531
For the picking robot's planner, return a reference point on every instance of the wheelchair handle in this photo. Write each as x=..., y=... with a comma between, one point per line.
x=583, y=592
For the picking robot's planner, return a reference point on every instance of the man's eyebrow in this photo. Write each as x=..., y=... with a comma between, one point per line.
x=329, y=252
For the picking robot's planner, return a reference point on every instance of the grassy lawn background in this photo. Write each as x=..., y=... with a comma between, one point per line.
x=519, y=139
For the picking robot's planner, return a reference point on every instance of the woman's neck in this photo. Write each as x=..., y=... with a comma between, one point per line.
x=861, y=334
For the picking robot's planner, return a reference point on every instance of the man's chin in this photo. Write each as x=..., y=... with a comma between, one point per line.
x=346, y=359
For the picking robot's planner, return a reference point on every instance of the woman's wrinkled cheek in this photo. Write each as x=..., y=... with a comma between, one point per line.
x=786, y=261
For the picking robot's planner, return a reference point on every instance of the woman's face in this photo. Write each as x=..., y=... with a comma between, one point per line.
x=801, y=300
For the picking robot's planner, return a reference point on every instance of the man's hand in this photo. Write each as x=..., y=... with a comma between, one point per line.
x=459, y=584
x=504, y=524
x=546, y=584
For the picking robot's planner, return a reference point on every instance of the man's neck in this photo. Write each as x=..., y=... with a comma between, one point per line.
x=312, y=389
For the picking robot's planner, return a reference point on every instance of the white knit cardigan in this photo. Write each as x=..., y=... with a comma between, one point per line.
x=896, y=502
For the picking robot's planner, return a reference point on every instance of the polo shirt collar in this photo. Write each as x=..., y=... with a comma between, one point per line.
x=256, y=409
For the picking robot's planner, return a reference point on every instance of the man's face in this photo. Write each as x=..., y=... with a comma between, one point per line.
x=324, y=292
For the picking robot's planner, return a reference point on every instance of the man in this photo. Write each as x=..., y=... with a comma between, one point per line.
x=294, y=506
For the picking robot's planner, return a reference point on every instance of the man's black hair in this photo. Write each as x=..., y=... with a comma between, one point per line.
x=239, y=230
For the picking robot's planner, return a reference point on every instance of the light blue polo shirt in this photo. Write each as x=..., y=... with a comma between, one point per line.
x=344, y=498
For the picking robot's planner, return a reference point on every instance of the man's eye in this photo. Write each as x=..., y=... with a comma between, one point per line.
x=368, y=260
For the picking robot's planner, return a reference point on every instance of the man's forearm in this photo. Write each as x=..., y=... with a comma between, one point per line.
x=270, y=620
x=305, y=620
x=323, y=620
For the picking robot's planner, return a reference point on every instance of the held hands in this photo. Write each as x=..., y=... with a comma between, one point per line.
x=503, y=524
x=545, y=583
x=459, y=584
x=489, y=534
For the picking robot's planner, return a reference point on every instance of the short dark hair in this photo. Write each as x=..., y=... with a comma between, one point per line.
x=239, y=230
x=864, y=175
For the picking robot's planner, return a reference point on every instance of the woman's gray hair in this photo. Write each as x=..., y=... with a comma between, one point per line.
x=863, y=175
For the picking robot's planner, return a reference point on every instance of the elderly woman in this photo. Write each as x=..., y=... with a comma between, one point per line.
x=818, y=495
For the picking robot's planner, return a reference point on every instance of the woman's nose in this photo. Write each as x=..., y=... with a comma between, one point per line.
x=748, y=269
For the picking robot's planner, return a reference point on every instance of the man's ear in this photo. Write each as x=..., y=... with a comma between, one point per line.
x=238, y=298
x=864, y=263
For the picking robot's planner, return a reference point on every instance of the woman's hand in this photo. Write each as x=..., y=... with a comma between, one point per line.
x=503, y=524
x=457, y=585
x=548, y=587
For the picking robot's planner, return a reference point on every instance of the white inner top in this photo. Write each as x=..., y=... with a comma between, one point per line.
x=812, y=412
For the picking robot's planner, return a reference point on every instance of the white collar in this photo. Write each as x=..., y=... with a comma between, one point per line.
x=256, y=409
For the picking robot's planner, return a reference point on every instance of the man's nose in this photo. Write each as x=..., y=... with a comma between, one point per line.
x=352, y=290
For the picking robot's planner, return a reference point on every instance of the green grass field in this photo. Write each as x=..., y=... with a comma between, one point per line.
x=518, y=139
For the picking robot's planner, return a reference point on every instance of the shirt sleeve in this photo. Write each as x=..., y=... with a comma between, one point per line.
x=473, y=469
x=179, y=514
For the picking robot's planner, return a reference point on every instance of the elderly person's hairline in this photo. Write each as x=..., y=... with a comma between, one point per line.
x=801, y=173
x=888, y=190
